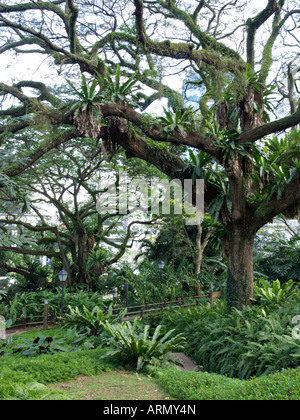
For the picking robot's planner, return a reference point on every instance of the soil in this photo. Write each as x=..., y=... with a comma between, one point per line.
x=115, y=385
x=188, y=364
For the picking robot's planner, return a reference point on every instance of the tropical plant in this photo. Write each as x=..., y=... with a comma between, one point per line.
x=87, y=95
x=178, y=121
x=40, y=345
x=284, y=253
x=222, y=185
x=113, y=91
x=137, y=346
x=198, y=163
x=93, y=321
x=251, y=342
x=266, y=293
x=3, y=294
x=228, y=144
x=86, y=111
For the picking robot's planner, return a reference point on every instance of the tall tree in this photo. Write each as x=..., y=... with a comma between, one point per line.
x=64, y=221
x=232, y=60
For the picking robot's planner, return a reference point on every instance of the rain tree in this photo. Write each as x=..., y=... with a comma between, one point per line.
x=64, y=221
x=239, y=58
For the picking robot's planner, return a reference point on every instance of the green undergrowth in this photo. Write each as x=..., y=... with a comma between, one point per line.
x=183, y=385
x=25, y=378
x=28, y=378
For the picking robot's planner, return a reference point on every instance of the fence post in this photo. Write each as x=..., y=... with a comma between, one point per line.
x=215, y=296
x=126, y=294
x=45, y=319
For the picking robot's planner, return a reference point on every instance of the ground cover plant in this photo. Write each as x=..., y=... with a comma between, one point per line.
x=182, y=385
x=255, y=341
x=113, y=385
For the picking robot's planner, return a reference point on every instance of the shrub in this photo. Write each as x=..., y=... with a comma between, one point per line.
x=134, y=343
x=32, y=304
x=40, y=345
x=275, y=293
x=252, y=342
x=185, y=385
x=93, y=321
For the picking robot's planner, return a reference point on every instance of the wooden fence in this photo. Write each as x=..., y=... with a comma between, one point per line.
x=138, y=311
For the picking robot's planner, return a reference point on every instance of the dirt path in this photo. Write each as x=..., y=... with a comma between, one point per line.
x=188, y=364
x=116, y=385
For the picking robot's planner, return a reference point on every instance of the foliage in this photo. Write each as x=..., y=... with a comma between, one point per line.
x=254, y=341
x=40, y=345
x=183, y=385
x=178, y=121
x=198, y=163
x=227, y=141
x=3, y=294
x=8, y=240
x=115, y=92
x=222, y=186
x=275, y=162
x=87, y=96
x=138, y=346
x=94, y=321
x=284, y=254
x=150, y=284
x=16, y=372
x=275, y=293
x=32, y=304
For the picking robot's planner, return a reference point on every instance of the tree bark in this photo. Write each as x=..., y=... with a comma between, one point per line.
x=240, y=280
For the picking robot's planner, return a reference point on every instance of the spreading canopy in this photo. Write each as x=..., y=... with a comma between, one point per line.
x=241, y=59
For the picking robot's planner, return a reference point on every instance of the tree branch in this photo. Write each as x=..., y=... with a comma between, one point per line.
x=270, y=128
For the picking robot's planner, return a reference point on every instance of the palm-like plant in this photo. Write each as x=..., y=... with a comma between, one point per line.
x=94, y=321
x=275, y=293
x=137, y=346
x=87, y=112
x=114, y=91
x=178, y=121
x=86, y=96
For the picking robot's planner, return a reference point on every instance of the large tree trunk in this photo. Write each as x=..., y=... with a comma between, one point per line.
x=240, y=239
x=240, y=280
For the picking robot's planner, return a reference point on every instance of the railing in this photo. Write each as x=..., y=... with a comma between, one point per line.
x=146, y=308
x=137, y=311
x=31, y=321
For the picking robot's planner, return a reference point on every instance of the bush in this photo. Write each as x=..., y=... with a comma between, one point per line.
x=32, y=304
x=137, y=346
x=92, y=321
x=185, y=385
x=275, y=293
x=252, y=342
